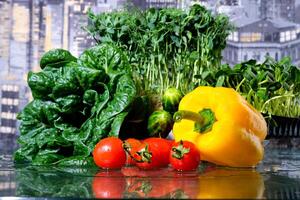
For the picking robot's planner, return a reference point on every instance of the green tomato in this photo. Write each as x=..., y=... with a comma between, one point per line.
x=171, y=99
x=160, y=124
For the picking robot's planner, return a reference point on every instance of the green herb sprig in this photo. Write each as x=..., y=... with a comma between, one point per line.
x=167, y=47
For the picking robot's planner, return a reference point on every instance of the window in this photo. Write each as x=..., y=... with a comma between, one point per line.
x=246, y=37
x=288, y=35
x=245, y=57
x=282, y=37
x=276, y=37
x=293, y=35
x=230, y=36
x=9, y=108
x=14, y=88
x=251, y=37
x=8, y=122
x=9, y=101
x=235, y=37
x=5, y=129
x=276, y=56
x=10, y=94
x=8, y=115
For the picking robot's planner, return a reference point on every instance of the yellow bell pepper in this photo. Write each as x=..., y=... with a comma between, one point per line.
x=226, y=129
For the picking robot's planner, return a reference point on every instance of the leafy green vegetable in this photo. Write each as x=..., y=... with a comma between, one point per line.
x=271, y=87
x=166, y=47
x=56, y=58
x=75, y=105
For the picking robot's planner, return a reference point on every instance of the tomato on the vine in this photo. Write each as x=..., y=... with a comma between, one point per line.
x=184, y=156
x=131, y=145
x=153, y=153
x=164, y=147
x=109, y=153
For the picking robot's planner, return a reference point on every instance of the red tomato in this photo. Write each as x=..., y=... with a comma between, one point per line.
x=171, y=142
x=109, y=153
x=148, y=156
x=110, y=184
x=131, y=144
x=164, y=147
x=184, y=156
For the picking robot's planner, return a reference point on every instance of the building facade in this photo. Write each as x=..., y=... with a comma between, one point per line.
x=274, y=9
x=144, y=4
x=15, y=58
x=28, y=29
x=259, y=38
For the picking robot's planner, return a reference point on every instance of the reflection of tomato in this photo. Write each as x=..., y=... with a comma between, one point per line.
x=109, y=184
x=231, y=184
x=160, y=183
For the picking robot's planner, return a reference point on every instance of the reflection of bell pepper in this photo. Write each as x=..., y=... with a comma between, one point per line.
x=224, y=126
x=231, y=184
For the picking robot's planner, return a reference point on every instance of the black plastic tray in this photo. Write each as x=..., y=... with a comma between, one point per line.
x=283, y=127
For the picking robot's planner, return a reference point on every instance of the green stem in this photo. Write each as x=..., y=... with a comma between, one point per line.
x=204, y=120
x=186, y=114
x=273, y=98
x=239, y=85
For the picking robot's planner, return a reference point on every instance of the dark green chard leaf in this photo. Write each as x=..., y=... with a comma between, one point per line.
x=74, y=106
x=41, y=84
x=105, y=57
x=56, y=58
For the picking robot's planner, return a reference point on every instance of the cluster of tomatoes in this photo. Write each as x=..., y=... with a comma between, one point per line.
x=151, y=153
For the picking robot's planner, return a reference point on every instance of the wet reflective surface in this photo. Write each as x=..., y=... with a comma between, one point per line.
x=277, y=177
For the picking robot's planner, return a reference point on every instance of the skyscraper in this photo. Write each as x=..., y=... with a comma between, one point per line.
x=15, y=59
x=277, y=8
x=54, y=20
x=76, y=39
x=5, y=10
x=144, y=4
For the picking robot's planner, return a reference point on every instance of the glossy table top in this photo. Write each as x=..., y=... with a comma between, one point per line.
x=277, y=177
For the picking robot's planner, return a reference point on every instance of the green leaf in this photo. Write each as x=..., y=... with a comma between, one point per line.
x=56, y=58
x=220, y=81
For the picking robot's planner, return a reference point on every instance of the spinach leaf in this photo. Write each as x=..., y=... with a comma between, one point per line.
x=56, y=58
x=105, y=57
x=75, y=105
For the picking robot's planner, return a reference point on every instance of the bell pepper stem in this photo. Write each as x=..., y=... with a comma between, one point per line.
x=204, y=120
x=185, y=114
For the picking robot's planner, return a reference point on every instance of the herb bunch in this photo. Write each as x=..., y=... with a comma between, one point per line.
x=271, y=87
x=166, y=47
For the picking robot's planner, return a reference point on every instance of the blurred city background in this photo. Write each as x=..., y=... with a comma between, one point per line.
x=28, y=28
